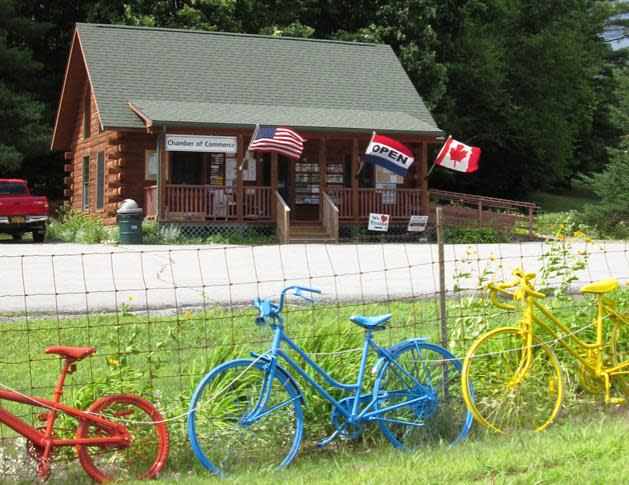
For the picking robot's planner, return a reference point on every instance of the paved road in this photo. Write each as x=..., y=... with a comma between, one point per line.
x=74, y=278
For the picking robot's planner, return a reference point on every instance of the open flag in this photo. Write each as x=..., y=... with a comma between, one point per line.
x=457, y=156
x=277, y=139
x=389, y=154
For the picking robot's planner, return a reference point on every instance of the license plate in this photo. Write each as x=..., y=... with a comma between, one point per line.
x=17, y=219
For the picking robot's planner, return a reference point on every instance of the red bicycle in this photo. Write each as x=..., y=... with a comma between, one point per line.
x=119, y=437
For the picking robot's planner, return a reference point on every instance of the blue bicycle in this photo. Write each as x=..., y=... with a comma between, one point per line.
x=247, y=413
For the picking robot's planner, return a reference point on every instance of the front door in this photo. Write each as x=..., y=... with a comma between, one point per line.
x=186, y=168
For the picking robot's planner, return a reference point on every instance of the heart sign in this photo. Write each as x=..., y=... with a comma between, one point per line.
x=379, y=222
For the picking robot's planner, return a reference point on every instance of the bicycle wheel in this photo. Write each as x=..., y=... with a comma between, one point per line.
x=147, y=452
x=620, y=353
x=223, y=439
x=503, y=398
x=430, y=372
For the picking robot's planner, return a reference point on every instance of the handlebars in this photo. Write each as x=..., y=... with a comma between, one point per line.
x=269, y=309
x=523, y=280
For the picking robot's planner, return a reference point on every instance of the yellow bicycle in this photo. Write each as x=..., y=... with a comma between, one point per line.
x=512, y=380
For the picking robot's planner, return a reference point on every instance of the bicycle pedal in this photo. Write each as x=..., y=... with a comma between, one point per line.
x=325, y=442
x=616, y=400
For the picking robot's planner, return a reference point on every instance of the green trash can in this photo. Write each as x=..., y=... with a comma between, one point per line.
x=129, y=219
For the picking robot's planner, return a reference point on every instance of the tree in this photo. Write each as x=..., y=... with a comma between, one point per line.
x=611, y=214
x=521, y=85
x=23, y=130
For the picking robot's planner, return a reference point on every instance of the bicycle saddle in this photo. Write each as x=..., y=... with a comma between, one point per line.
x=74, y=353
x=371, y=323
x=600, y=286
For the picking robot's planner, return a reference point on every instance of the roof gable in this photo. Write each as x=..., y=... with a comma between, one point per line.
x=171, y=69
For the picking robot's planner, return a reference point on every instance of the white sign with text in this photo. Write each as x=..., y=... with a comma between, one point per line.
x=378, y=222
x=198, y=143
x=417, y=223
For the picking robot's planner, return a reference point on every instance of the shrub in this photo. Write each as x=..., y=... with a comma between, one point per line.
x=474, y=235
x=71, y=225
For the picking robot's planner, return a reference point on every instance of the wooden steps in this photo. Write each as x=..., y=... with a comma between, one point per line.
x=314, y=232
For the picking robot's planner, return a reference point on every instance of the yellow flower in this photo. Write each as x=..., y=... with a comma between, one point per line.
x=112, y=362
x=492, y=257
x=130, y=298
x=187, y=314
x=588, y=240
x=560, y=236
x=562, y=226
x=579, y=234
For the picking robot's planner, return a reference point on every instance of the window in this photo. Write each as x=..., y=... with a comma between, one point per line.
x=86, y=183
x=100, y=181
x=87, y=112
x=12, y=188
x=150, y=164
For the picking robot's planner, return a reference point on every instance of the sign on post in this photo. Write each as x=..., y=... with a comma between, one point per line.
x=417, y=224
x=378, y=222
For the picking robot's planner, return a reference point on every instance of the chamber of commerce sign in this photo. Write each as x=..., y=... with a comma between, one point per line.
x=198, y=143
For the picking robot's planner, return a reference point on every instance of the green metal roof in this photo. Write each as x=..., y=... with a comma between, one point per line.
x=184, y=77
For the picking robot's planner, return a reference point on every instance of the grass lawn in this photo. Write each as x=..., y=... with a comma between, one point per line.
x=560, y=201
x=584, y=450
x=162, y=357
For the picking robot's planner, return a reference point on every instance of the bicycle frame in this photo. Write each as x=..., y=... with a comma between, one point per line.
x=356, y=414
x=603, y=307
x=44, y=438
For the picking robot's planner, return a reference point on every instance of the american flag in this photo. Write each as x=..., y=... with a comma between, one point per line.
x=277, y=139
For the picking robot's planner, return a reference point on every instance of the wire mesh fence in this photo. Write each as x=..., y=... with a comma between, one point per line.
x=160, y=318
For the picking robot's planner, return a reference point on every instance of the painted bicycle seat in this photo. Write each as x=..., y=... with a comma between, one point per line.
x=371, y=323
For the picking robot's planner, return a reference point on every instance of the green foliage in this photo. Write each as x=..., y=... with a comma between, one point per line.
x=524, y=98
x=551, y=223
x=71, y=225
x=561, y=262
x=154, y=233
x=474, y=235
x=611, y=214
x=23, y=128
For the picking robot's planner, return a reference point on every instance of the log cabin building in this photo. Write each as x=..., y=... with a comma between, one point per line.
x=164, y=117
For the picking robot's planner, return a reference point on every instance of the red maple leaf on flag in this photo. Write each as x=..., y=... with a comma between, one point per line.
x=457, y=154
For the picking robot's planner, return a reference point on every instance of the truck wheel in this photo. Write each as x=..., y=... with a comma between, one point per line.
x=17, y=236
x=38, y=237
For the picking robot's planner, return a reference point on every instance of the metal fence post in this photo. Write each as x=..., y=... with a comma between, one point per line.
x=442, y=300
x=442, y=280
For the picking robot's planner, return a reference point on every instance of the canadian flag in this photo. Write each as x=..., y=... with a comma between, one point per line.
x=457, y=156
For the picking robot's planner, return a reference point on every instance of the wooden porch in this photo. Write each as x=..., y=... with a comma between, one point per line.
x=209, y=203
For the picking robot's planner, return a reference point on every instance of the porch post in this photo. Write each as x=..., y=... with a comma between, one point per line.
x=323, y=180
x=163, y=178
x=273, y=180
x=239, y=185
x=423, y=181
x=355, y=179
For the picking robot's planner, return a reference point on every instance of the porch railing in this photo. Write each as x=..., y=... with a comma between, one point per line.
x=216, y=202
x=460, y=208
x=257, y=203
x=398, y=203
x=282, y=219
x=330, y=217
x=150, y=201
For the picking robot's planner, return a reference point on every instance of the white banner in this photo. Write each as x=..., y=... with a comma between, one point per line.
x=198, y=143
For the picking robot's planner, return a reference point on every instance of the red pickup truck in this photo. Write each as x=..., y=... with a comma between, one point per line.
x=21, y=212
